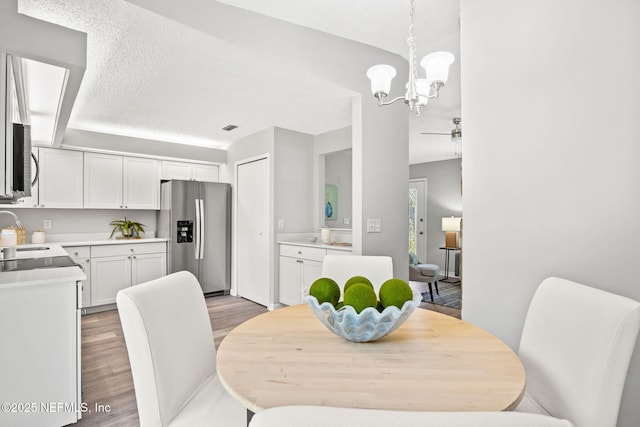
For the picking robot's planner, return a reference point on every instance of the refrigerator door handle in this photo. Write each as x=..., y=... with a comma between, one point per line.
x=202, y=222
x=196, y=239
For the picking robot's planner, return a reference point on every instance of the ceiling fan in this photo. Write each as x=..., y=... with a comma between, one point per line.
x=456, y=133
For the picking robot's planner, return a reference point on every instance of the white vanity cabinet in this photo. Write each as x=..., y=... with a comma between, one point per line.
x=299, y=267
x=189, y=171
x=120, y=182
x=115, y=267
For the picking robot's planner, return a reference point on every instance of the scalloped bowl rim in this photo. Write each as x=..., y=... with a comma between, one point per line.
x=394, y=316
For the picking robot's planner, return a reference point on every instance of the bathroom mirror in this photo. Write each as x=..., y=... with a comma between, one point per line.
x=337, y=201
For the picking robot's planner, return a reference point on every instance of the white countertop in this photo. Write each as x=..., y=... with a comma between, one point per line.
x=40, y=276
x=108, y=242
x=316, y=245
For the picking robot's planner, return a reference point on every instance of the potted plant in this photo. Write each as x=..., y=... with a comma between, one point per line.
x=129, y=229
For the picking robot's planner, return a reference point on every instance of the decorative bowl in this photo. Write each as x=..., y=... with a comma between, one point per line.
x=312, y=239
x=368, y=325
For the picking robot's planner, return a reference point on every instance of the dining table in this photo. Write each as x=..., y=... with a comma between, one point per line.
x=432, y=362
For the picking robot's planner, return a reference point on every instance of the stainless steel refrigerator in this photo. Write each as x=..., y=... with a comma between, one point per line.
x=195, y=217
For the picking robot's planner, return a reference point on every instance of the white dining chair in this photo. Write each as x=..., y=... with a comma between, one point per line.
x=341, y=268
x=320, y=416
x=576, y=346
x=172, y=354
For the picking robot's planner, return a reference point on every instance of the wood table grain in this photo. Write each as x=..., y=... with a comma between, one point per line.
x=432, y=362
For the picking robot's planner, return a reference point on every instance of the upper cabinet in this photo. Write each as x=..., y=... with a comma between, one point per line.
x=189, y=171
x=118, y=182
x=60, y=181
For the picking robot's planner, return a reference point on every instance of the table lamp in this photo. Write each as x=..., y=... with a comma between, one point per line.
x=451, y=227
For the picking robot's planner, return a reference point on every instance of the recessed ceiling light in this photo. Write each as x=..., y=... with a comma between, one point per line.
x=229, y=128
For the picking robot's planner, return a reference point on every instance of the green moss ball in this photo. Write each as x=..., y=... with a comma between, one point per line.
x=360, y=296
x=357, y=279
x=395, y=292
x=325, y=290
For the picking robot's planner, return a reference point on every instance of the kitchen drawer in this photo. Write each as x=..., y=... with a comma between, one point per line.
x=79, y=251
x=315, y=254
x=134, y=248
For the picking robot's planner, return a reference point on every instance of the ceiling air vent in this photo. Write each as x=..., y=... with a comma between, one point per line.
x=229, y=128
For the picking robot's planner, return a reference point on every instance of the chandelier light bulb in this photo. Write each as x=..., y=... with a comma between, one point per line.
x=381, y=76
x=436, y=65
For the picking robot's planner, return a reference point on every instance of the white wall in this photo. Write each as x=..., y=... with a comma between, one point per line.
x=294, y=190
x=77, y=221
x=551, y=169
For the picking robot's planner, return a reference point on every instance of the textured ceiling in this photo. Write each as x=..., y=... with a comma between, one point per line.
x=152, y=77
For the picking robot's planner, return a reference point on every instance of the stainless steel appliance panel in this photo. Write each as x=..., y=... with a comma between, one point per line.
x=215, y=265
x=181, y=197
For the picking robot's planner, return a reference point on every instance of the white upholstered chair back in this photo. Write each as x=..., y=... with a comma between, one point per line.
x=170, y=344
x=341, y=268
x=320, y=416
x=576, y=346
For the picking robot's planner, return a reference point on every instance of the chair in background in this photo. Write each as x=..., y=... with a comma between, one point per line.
x=419, y=272
x=341, y=268
x=173, y=357
x=576, y=346
x=316, y=416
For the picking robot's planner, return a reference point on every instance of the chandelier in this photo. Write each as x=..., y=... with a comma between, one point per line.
x=419, y=90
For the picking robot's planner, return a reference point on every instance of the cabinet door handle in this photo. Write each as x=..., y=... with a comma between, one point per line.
x=300, y=261
x=134, y=257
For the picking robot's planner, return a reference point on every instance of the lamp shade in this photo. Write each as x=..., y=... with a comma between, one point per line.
x=436, y=65
x=451, y=223
x=381, y=76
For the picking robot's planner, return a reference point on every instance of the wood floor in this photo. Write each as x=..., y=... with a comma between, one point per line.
x=106, y=374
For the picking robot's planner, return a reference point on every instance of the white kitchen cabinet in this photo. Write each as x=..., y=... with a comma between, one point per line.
x=145, y=267
x=119, y=182
x=102, y=181
x=141, y=181
x=189, y=171
x=206, y=173
x=81, y=255
x=115, y=267
x=61, y=178
x=40, y=357
x=108, y=276
x=300, y=266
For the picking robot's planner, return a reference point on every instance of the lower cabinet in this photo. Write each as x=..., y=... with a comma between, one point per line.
x=81, y=255
x=115, y=267
x=300, y=266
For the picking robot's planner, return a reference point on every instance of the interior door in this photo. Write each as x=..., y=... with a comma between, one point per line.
x=418, y=218
x=252, y=230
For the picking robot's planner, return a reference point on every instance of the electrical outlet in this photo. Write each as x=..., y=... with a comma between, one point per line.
x=345, y=221
x=47, y=224
x=281, y=224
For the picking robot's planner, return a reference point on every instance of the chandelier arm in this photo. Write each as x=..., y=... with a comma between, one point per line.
x=380, y=103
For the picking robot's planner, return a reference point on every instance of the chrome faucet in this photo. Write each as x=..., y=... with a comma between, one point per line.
x=18, y=223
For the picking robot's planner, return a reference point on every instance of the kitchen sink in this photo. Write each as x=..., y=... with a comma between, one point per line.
x=32, y=248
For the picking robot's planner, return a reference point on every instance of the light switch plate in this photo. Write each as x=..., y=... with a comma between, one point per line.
x=374, y=226
x=47, y=224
